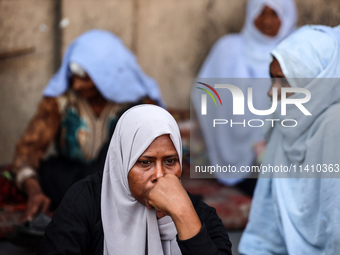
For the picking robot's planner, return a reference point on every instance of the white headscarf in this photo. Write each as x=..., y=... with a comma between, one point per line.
x=301, y=215
x=129, y=227
x=112, y=67
x=310, y=56
x=244, y=55
x=247, y=55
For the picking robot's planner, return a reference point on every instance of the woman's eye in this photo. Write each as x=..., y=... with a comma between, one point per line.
x=171, y=162
x=144, y=163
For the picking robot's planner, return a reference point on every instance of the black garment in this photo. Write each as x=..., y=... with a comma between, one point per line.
x=57, y=174
x=76, y=227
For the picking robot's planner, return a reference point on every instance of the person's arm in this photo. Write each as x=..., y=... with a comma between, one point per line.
x=213, y=237
x=29, y=150
x=199, y=229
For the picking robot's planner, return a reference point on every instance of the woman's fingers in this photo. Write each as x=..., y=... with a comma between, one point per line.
x=36, y=203
x=168, y=195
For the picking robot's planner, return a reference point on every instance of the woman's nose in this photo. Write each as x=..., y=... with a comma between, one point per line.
x=159, y=172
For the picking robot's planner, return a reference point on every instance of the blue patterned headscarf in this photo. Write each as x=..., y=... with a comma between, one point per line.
x=112, y=67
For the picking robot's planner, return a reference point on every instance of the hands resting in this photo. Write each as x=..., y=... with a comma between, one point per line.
x=37, y=200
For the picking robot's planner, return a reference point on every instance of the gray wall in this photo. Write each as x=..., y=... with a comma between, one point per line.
x=170, y=38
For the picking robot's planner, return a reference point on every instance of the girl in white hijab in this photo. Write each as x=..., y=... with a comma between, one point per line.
x=243, y=55
x=143, y=208
x=302, y=215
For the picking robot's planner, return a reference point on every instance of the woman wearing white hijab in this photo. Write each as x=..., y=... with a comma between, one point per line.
x=244, y=55
x=139, y=205
x=97, y=81
x=302, y=215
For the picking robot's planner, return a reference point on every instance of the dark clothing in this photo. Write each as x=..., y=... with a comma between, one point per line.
x=76, y=227
x=57, y=174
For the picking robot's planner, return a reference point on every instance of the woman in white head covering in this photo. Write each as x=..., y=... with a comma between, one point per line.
x=301, y=215
x=243, y=55
x=97, y=81
x=139, y=205
x=247, y=54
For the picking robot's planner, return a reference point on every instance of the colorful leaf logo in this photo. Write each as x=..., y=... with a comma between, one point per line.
x=209, y=93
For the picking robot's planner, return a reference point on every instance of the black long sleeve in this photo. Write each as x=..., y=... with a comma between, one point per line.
x=213, y=238
x=76, y=226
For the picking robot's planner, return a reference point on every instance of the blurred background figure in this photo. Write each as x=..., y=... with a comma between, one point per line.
x=98, y=80
x=244, y=55
x=301, y=215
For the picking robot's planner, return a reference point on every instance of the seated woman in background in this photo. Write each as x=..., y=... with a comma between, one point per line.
x=302, y=215
x=98, y=80
x=138, y=205
x=244, y=55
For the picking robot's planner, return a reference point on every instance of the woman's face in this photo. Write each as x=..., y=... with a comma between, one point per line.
x=84, y=86
x=268, y=22
x=278, y=79
x=158, y=159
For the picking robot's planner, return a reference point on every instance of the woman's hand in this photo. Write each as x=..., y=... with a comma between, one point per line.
x=37, y=200
x=169, y=197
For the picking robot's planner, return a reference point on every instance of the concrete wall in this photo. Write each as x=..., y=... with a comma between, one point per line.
x=170, y=38
x=27, y=61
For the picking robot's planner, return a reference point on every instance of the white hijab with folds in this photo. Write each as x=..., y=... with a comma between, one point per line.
x=129, y=227
x=302, y=215
x=243, y=55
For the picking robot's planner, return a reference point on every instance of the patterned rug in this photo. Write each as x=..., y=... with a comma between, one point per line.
x=12, y=202
x=231, y=205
